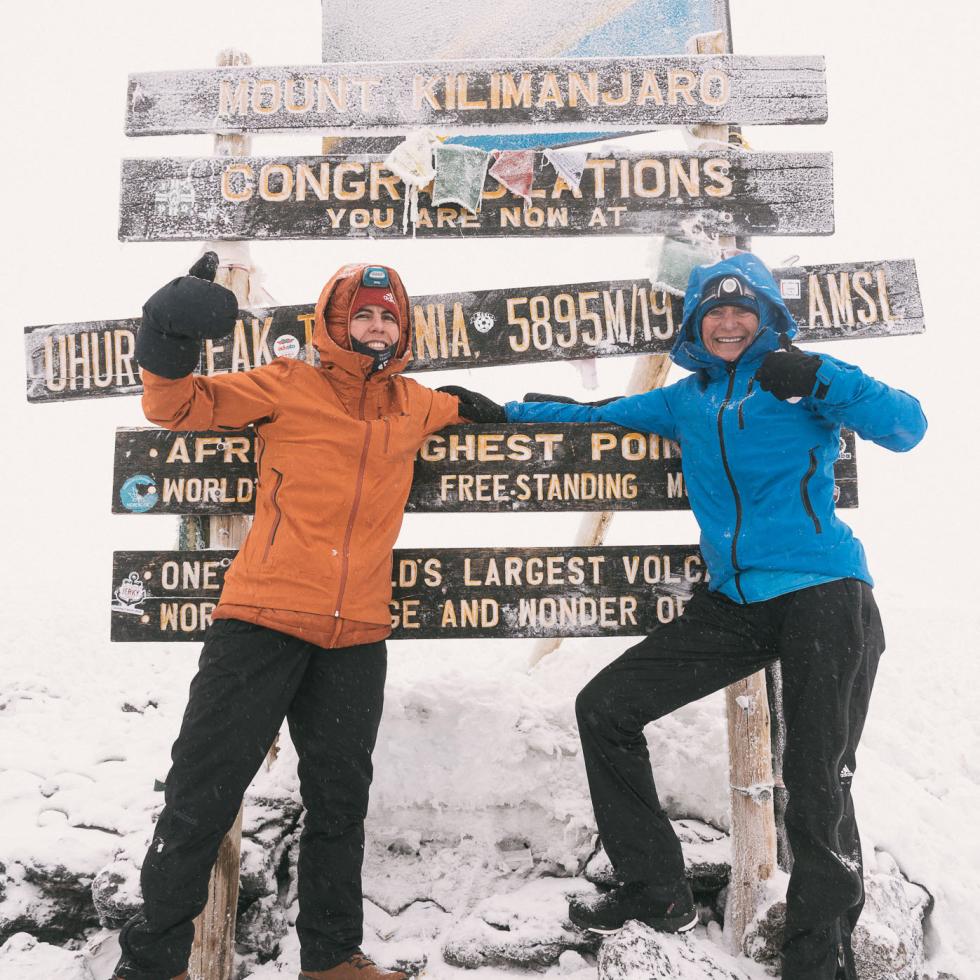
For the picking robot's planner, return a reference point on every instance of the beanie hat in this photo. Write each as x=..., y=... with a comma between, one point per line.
x=729, y=289
x=375, y=296
x=373, y=285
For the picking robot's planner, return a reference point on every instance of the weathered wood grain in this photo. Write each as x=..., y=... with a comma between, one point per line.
x=512, y=468
x=338, y=197
x=471, y=96
x=486, y=328
x=440, y=593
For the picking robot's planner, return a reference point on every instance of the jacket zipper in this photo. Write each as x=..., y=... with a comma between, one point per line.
x=741, y=404
x=387, y=423
x=278, y=518
x=731, y=480
x=358, y=485
x=805, y=492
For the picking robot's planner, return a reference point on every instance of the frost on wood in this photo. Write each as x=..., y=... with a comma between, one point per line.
x=487, y=328
x=537, y=95
x=172, y=199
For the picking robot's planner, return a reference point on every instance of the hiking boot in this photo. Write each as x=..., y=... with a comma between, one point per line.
x=636, y=900
x=356, y=967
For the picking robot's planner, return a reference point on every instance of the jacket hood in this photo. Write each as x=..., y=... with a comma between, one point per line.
x=774, y=318
x=331, y=324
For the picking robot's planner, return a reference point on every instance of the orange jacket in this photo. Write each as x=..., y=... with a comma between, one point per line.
x=335, y=449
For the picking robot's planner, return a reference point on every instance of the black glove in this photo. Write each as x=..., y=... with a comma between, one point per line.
x=179, y=316
x=788, y=373
x=474, y=406
x=536, y=396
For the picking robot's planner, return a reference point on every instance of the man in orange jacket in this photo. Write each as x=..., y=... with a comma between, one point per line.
x=300, y=630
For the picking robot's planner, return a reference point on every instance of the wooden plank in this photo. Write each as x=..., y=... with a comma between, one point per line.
x=513, y=468
x=440, y=593
x=515, y=28
x=473, y=96
x=341, y=197
x=547, y=28
x=486, y=328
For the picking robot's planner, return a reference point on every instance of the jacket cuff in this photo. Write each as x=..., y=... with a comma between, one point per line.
x=827, y=374
x=513, y=410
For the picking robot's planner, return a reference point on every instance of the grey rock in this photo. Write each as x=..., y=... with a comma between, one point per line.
x=258, y=873
x=638, y=951
x=526, y=928
x=707, y=857
x=888, y=940
x=261, y=928
x=116, y=893
x=763, y=938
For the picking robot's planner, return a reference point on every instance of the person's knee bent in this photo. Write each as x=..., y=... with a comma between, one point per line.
x=597, y=705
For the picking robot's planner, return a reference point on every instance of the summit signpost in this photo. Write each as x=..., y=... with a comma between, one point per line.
x=571, y=72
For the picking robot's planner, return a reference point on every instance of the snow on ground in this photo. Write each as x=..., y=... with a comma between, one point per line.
x=480, y=748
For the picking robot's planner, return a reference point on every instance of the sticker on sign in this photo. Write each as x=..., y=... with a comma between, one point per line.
x=287, y=346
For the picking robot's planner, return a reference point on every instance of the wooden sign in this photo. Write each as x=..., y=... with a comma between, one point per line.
x=491, y=327
x=477, y=96
x=513, y=468
x=546, y=28
x=515, y=28
x=340, y=197
x=440, y=593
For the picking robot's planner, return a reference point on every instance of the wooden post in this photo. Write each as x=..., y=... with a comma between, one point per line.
x=213, y=952
x=749, y=751
x=780, y=797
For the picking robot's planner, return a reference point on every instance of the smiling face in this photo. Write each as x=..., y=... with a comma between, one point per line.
x=727, y=331
x=374, y=325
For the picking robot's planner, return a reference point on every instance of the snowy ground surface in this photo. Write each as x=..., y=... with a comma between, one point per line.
x=481, y=749
x=471, y=743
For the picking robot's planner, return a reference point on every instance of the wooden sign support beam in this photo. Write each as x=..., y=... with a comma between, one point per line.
x=213, y=952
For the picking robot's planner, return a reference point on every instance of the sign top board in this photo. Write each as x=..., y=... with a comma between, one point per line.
x=623, y=94
x=514, y=29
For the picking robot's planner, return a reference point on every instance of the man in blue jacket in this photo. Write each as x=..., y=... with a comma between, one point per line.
x=759, y=425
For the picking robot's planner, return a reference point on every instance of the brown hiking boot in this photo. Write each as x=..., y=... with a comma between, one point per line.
x=356, y=967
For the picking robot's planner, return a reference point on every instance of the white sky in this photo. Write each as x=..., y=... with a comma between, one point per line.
x=903, y=143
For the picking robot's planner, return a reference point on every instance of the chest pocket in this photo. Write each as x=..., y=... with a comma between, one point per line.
x=396, y=434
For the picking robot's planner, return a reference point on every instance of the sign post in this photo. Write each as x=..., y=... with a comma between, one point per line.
x=213, y=952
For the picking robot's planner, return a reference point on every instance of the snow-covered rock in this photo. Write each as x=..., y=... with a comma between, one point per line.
x=637, y=951
x=887, y=941
x=26, y=958
x=525, y=928
x=707, y=857
x=116, y=893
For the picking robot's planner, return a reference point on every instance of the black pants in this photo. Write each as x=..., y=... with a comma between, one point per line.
x=828, y=639
x=249, y=679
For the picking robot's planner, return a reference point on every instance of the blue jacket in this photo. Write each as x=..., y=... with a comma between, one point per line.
x=759, y=471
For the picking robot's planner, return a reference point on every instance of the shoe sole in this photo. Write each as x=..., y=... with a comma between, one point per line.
x=659, y=925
